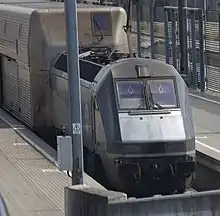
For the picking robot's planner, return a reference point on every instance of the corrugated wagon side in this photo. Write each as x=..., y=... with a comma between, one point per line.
x=29, y=40
x=14, y=40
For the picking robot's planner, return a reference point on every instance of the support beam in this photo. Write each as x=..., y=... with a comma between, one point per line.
x=138, y=14
x=152, y=13
x=182, y=37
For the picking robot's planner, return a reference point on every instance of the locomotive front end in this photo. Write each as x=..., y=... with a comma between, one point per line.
x=147, y=121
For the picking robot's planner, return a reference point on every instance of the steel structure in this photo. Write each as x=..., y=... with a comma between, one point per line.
x=195, y=44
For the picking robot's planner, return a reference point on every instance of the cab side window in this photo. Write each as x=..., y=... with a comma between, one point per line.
x=61, y=63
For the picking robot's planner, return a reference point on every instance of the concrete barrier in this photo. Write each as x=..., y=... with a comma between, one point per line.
x=82, y=200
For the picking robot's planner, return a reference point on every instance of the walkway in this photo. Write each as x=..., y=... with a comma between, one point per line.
x=206, y=115
x=30, y=184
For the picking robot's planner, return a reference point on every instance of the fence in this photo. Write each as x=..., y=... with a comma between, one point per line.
x=194, y=43
x=213, y=50
x=211, y=42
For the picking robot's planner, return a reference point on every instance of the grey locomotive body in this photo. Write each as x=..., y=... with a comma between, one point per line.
x=137, y=122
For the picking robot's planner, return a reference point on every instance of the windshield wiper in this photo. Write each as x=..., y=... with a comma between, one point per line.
x=143, y=101
x=151, y=98
x=142, y=104
x=157, y=104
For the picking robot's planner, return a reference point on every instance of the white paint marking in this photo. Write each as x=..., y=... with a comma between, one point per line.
x=202, y=137
x=50, y=170
x=205, y=99
x=17, y=128
x=20, y=144
x=209, y=147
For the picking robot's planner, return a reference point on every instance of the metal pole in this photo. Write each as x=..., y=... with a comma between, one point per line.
x=138, y=28
x=74, y=90
x=182, y=30
x=219, y=23
x=201, y=47
x=194, y=52
x=167, y=39
x=173, y=15
x=151, y=13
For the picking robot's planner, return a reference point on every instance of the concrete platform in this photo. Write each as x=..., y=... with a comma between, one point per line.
x=30, y=183
x=206, y=113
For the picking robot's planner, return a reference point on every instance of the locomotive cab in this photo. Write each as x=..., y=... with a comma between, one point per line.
x=143, y=116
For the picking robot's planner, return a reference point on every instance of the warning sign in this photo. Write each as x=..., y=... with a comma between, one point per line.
x=76, y=128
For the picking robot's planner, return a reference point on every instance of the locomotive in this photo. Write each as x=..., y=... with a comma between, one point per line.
x=136, y=116
x=137, y=121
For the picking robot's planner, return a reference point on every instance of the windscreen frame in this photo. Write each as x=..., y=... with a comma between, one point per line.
x=105, y=33
x=145, y=80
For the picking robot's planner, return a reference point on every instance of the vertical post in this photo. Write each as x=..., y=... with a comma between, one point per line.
x=185, y=37
x=205, y=5
x=219, y=24
x=201, y=48
x=194, y=3
x=151, y=13
x=174, y=38
x=167, y=40
x=205, y=19
x=74, y=90
x=182, y=36
x=193, y=52
x=141, y=13
x=138, y=13
x=118, y=3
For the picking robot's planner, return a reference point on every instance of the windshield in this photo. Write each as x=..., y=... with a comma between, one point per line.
x=163, y=92
x=139, y=94
x=131, y=94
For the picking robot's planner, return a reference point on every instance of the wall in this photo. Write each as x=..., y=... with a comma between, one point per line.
x=82, y=200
